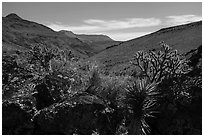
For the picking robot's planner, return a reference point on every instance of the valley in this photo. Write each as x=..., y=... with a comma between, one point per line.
x=62, y=83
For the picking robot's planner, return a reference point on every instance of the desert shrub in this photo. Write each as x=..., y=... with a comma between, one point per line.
x=167, y=68
x=158, y=65
x=36, y=67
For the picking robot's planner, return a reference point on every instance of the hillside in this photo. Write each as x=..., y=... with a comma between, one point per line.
x=183, y=38
x=20, y=34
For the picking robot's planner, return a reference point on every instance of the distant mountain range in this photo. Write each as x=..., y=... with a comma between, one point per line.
x=20, y=34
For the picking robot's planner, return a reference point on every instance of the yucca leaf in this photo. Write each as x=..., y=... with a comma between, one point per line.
x=141, y=99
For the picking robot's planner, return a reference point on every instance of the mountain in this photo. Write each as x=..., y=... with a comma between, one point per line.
x=20, y=34
x=183, y=38
x=97, y=42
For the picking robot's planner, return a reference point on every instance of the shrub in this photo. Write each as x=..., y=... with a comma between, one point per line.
x=159, y=65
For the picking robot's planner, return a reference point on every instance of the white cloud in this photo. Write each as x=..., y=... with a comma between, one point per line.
x=182, y=19
x=123, y=36
x=124, y=24
x=96, y=25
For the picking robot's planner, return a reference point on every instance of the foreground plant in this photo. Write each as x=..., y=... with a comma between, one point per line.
x=141, y=101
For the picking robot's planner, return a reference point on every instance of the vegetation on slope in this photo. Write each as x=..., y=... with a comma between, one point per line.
x=51, y=91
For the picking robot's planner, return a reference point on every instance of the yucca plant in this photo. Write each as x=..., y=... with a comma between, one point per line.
x=141, y=103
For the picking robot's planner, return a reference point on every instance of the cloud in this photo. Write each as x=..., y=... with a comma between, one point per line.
x=124, y=24
x=182, y=19
x=97, y=25
x=123, y=36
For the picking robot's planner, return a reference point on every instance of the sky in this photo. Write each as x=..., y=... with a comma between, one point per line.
x=119, y=20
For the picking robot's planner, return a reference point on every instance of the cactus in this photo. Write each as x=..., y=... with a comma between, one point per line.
x=160, y=65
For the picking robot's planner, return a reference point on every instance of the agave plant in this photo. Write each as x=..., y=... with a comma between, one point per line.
x=141, y=103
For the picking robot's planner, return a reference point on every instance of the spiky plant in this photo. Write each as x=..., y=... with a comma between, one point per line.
x=160, y=65
x=141, y=103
